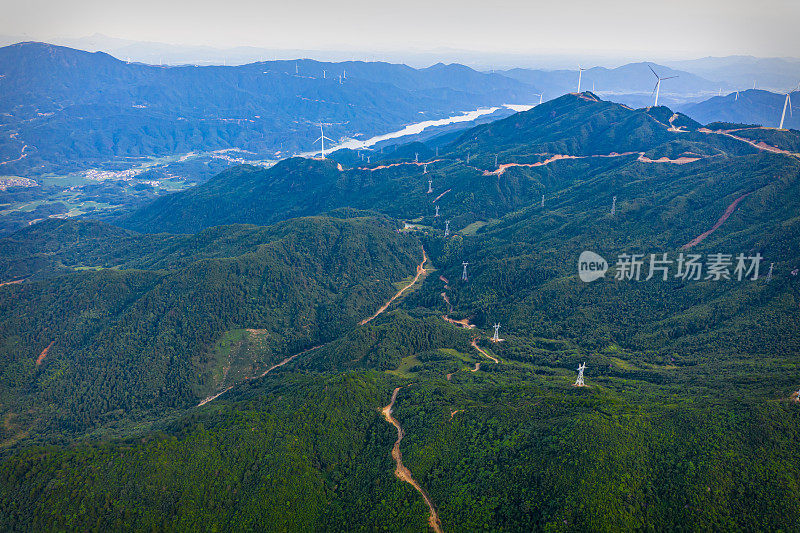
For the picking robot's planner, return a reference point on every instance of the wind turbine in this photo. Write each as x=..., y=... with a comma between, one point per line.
x=322, y=140
x=580, y=73
x=786, y=103
x=540, y=97
x=657, y=88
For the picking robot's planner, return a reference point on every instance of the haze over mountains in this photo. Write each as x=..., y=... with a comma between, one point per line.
x=758, y=107
x=71, y=110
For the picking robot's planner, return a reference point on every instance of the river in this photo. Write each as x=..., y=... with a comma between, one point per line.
x=416, y=128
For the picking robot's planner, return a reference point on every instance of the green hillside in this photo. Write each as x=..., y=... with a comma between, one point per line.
x=688, y=420
x=143, y=324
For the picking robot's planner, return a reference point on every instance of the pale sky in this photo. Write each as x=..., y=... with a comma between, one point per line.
x=690, y=28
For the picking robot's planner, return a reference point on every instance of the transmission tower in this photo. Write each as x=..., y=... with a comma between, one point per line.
x=579, y=381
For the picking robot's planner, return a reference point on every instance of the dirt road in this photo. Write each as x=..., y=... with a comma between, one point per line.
x=482, y=351
x=401, y=471
x=728, y=212
x=420, y=272
x=261, y=375
x=42, y=355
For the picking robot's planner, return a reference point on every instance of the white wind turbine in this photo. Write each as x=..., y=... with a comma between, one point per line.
x=580, y=73
x=657, y=88
x=322, y=140
x=787, y=103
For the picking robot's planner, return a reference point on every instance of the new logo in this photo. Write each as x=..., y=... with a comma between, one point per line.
x=591, y=266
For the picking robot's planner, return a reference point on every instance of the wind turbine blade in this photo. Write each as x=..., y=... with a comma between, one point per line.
x=653, y=71
x=654, y=89
x=669, y=78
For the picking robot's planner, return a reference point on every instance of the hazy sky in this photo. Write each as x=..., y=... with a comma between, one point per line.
x=691, y=28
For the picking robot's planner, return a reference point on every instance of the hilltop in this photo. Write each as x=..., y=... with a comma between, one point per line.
x=575, y=131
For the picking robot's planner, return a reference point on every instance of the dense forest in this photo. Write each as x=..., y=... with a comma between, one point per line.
x=260, y=300
x=133, y=327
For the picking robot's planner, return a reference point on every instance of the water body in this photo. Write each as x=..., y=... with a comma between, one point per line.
x=416, y=128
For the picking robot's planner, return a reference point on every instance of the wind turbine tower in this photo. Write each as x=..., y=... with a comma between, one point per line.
x=580, y=74
x=464, y=273
x=786, y=103
x=437, y=211
x=416, y=157
x=425, y=168
x=321, y=140
x=613, y=206
x=446, y=228
x=496, y=336
x=579, y=381
x=659, y=79
x=430, y=187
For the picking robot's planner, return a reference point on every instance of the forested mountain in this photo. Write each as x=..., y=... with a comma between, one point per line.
x=688, y=420
x=134, y=324
x=578, y=127
x=67, y=109
x=753, y=106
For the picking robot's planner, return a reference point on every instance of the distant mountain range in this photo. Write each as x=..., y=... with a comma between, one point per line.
x=65, y=109
x=759, y=107
x=630, y=84
x=744, y=72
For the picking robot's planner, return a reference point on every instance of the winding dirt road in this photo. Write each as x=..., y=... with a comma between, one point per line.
x=482, y=351
x=401, y=471
x=760, y=145
x=420, y=272
x=261, y=375
x=728, y=212
x=42, y=355
x=416, y=163
x=440, y=196
x=501, y=169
